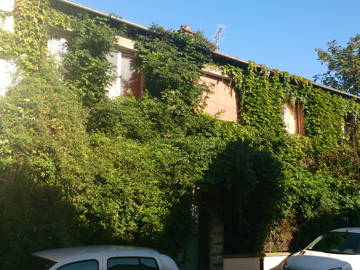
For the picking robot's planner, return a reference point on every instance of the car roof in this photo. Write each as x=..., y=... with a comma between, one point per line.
x=60, y=254
x=347, y=229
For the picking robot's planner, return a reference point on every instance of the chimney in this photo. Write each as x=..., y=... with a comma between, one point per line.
x=185, y=27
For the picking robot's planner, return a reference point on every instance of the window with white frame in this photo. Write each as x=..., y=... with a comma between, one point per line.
x=127, y=80
x=56, y=48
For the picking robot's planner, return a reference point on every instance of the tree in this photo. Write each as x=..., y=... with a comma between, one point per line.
x=343, y=65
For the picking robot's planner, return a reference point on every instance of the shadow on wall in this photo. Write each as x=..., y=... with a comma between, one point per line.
x=33, y=216
x=243, y=192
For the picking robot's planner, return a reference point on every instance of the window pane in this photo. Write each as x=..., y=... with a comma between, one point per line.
x=148, y=264
x=130, y=79
x=84, y=265
x=123, y=264
x=114, y=59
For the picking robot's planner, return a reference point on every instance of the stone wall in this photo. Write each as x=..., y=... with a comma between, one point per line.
x=216, y=243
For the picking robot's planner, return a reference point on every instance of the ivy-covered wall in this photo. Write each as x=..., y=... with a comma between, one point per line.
x=154, y=171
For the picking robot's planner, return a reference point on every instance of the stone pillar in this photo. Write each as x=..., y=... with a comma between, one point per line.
x=216, y=243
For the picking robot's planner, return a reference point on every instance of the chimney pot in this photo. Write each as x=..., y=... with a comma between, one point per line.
x=185, y=27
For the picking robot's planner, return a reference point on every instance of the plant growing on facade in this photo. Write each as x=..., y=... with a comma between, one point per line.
x=125, y=170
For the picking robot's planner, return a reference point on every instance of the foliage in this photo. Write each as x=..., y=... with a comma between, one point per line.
x=242, y=177
x=44, y=166
x=173, y=60
x=317, y=175
x=34, y=216
x=33, y=21
x=86, y=67
x=343, y=64
x=140, y=171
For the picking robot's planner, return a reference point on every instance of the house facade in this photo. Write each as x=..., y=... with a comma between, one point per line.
x=222, y=103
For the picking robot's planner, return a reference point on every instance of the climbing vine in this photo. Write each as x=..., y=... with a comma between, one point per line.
x=146, y=163
x=33, y=22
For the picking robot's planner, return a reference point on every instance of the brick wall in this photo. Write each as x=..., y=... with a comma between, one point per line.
x=221, y=102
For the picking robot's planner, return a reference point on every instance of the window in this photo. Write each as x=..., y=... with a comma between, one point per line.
x=148, y=264
x=56, y=48
x=128, y=81
x=83, y=265
x=350, y=128
x=293, y=117
x=131, y=263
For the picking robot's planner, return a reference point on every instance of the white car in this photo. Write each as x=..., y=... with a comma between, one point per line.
x=338, y=249
x=103, y=258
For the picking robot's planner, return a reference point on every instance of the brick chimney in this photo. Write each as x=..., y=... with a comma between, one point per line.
x=185, y=27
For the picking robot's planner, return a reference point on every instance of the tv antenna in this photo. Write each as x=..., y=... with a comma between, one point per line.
x=217, y=36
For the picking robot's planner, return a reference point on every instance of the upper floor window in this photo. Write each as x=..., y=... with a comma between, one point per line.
x=128, y=81
x=293, y=116
x=350, y=128
x=57, y=48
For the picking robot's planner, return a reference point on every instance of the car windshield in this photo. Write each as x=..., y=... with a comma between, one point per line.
x=337, y=242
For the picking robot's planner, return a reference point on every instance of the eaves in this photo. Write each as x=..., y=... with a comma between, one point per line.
x=225, y=57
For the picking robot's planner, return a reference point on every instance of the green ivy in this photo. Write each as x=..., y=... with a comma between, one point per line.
x=129, y=171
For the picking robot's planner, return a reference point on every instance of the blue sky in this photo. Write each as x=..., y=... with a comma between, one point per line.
x=281, y=34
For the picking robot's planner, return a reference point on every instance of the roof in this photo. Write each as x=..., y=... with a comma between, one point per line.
x=60, y=254
x=347, y=229
x=221, y=55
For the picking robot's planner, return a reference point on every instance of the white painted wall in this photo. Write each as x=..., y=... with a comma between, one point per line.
x=7, y=5
x=273, y=262
x=6, y=71
x=267, y=262
x=8, y=23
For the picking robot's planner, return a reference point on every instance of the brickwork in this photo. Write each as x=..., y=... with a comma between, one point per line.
x=221, y=102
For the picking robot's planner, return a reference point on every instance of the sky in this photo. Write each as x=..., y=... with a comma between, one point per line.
x=281, y=34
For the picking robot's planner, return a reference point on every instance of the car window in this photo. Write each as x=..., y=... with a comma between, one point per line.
x=123, y=264
x=338, y=242
x=148, y=264
x=131, y=263
x=83, y=265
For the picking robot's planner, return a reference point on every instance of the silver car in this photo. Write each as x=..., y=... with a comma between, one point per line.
x=103, y=258
x=338, y=249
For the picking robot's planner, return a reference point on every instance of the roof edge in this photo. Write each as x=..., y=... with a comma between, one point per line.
x=220, y=54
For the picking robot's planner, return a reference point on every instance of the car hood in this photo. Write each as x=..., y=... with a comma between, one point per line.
x=314, y=261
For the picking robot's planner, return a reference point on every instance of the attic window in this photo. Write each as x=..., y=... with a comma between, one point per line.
x=293, y=116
